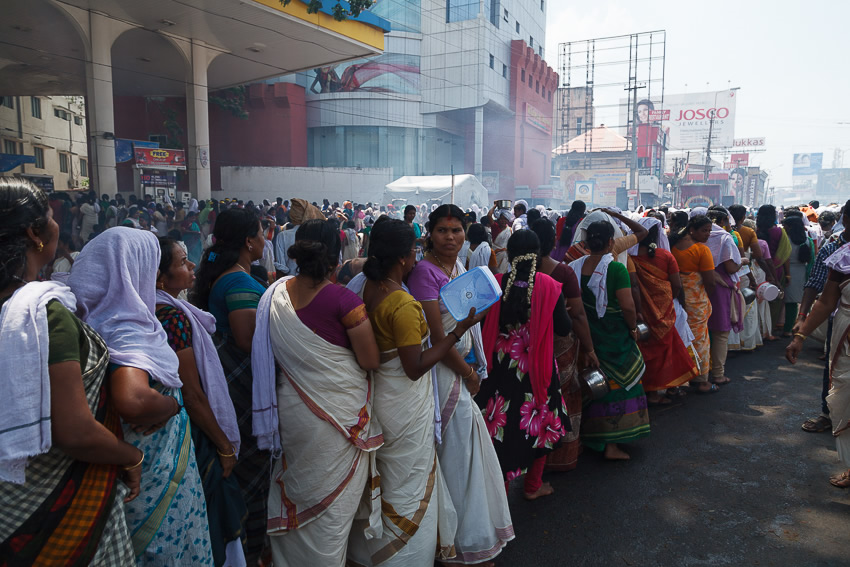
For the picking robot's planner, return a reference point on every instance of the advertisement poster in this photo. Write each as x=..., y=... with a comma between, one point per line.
x=691, y=196
x=687, y=118
x=147, y=158
x=601, y=183
x=807, y=164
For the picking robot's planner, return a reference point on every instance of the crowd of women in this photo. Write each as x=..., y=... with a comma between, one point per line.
x=161, y=412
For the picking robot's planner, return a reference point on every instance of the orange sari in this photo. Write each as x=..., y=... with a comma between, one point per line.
x=668, y=363
x=698, y=308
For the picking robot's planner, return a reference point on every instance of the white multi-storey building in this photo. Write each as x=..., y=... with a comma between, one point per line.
x=461, y=87
x=51, y=130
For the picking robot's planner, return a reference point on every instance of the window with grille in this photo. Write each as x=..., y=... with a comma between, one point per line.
x=63, y=163
x=36, y=107
x=39, y=157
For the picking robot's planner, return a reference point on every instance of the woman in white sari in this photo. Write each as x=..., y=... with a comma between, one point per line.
x=836, y=294
x=417, y=513
x=319, y=414
x=504, y=218
x=466, y=454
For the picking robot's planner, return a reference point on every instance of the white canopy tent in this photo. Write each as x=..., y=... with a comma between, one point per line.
x=421, y=189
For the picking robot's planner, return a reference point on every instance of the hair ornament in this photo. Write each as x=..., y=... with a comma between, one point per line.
x=212, y=257
x=531, y=256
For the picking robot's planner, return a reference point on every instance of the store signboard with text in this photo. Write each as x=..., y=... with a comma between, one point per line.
x=596, y=186
x=155, y=158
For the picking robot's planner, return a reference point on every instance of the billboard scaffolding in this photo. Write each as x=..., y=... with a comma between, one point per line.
x=595, y=74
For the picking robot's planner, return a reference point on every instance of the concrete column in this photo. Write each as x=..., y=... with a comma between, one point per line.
x=100, y=113
x=479, y=141
x=198, y=119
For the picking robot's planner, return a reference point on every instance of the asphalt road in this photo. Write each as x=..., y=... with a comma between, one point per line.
x=723, y=479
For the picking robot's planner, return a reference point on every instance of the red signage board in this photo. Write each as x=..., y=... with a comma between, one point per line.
x=156, y=158
x=659, y=115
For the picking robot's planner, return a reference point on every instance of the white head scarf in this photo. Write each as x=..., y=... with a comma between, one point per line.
x=648, y=223
x=697, y=211
x=193, y=206
x=114, y=280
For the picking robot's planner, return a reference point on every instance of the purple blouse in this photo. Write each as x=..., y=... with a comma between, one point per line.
x=332, y=312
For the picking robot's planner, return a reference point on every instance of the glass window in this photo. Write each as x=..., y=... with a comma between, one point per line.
x=531, y=42
x=505, y=71
x=10, y=147
x=540, y=51
x=537, y=87
x=492, y=9
x=542, y=5
x=78, y=120
x=492, y=62
x=39, y=157
x=517, y=27
x=506, y=15
x=8, y=102
x=403, y=15
x=84, y=168
x=578, y=126
x=460, y=10
x=36, y=107
x=63, y=163
x=522, y=76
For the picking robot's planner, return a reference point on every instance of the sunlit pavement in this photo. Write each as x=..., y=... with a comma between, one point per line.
x=724, y=479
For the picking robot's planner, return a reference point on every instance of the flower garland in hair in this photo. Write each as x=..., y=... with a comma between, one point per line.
x=512, y=277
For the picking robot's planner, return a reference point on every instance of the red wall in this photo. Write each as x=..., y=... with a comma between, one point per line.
x=520, y=151
x=273, y=135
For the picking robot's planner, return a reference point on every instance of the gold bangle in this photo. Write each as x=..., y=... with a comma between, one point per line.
x=471, y=372
x=801, y=335
x=137, y=465
x=220, y=454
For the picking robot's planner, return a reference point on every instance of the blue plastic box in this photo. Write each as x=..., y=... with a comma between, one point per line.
x=476, y=288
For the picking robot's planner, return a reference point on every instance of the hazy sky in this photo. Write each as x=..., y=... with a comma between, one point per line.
x=791, y=60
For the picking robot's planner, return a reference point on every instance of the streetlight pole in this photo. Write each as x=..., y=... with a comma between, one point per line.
x=710, y=130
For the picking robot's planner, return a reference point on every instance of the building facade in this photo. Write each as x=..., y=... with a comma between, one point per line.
x=462, y=87
x=51, y=130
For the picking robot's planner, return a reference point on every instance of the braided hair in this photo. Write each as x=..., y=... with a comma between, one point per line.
x=523, y=250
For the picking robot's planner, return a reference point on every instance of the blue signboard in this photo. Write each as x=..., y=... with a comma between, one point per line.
x=8, y=162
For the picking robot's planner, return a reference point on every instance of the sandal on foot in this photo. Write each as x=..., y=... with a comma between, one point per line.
x=817, y=424
x=712, y=390
x=841, y=480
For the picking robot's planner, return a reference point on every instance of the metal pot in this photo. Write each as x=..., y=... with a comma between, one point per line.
x=504, y=204
x=749, y=295
x=642, y=331
x=594, y=385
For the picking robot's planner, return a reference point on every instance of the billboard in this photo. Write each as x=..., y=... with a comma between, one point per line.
x=807, y=164
x=602, y=184
x=749, y=142
x=149, y=158
x=688, y=118
x=833, y=185
x=691, y=196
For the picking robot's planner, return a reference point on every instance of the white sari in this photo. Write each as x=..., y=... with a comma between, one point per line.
x=417, y=513
x=328, y=440
x=480, y=256
x=500, y=246
x=468, y=460
x=838, y=399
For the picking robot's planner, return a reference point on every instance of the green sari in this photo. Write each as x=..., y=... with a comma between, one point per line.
x=621, y=416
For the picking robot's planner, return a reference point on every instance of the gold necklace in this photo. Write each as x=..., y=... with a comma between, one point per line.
x=243, y=268
x=395, y=282
x=451, y=274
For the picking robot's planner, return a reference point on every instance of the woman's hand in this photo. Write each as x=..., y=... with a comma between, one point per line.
x=227, y=464
x=591, y=359
x=133, y=479
x=470, y=321
x=473, y=383
x=149, y=429
x=793, y=349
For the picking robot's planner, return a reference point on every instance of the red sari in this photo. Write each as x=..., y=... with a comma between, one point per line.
x=668, y=363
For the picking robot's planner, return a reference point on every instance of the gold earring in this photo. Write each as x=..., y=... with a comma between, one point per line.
x=250, y=249
x=39, y=246
x=403, y=263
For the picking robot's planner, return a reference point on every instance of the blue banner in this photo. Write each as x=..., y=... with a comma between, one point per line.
x=9, y=162
x=124, y=148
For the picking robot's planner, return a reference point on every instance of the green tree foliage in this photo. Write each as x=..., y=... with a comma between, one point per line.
x=340, y=13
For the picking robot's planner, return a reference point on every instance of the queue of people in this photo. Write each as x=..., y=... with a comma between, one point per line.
x=294, y=391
